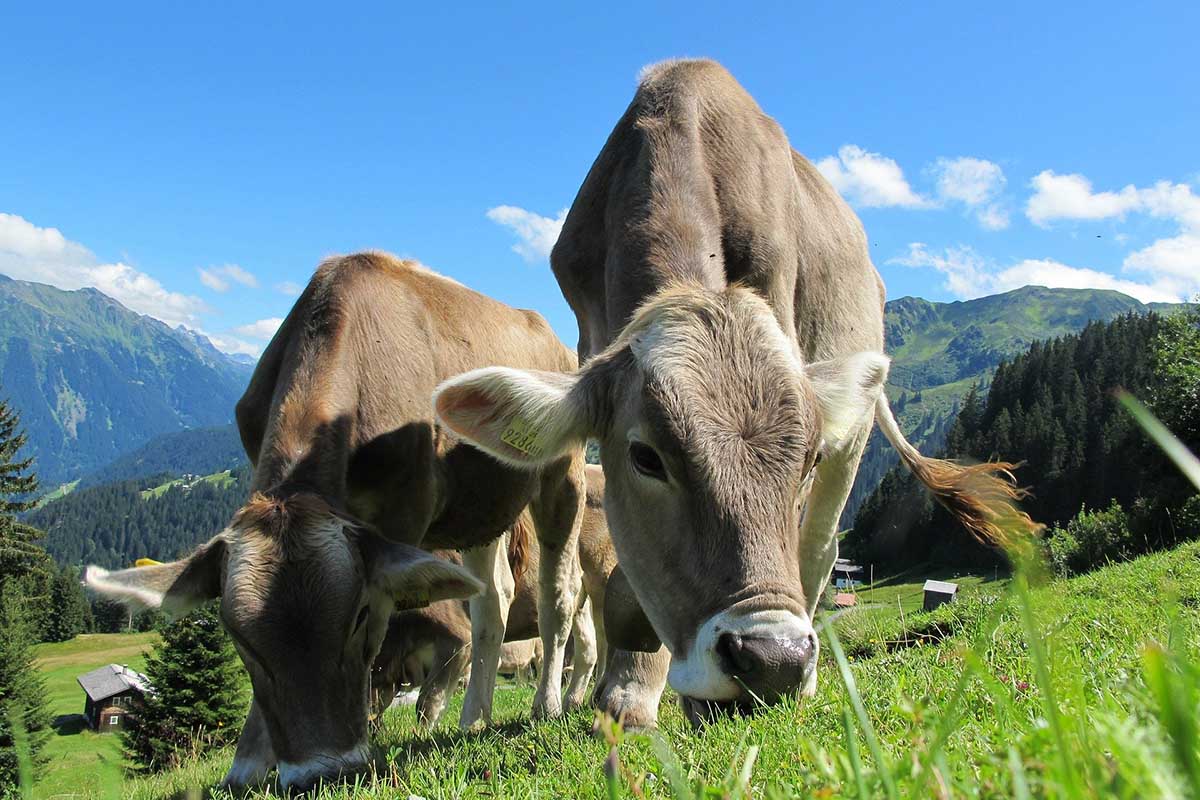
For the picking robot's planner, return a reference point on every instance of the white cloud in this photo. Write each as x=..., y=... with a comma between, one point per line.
x=212, y=280
x=218, y=278
x=1177, y=257
x=29, y=252
x=290, y=288
x=968, y=275
x=965, y=270
x=972, y=181
x=261, y=330
x=232, y=345
x=1044, y=272
x=993, y=217
x=975, y=183
x=869, y=180
x=537, y=234
x=1172, y=263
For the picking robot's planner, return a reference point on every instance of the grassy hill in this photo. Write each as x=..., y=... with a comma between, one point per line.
x=1082, y=688
x=93, y=380
x=82, y=763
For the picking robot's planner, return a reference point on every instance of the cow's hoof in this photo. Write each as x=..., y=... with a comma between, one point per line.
x=546, y=711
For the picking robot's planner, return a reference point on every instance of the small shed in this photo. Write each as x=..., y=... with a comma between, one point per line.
x=939, y=593
x=113, y=693
x=845, y=600
x=846, y=575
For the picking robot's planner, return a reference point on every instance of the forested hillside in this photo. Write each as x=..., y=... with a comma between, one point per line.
x=1053, y=408
x=93, y=380
x=940, y=350
x=114, y=524
x=200, y=451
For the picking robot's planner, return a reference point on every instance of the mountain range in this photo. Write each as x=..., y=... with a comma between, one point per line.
x=93, y=380
x=106, y=394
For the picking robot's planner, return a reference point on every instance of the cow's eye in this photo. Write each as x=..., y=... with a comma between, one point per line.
x=646, y=461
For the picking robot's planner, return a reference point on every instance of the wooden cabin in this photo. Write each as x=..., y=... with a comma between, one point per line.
x=113, y=692
x=939, y=593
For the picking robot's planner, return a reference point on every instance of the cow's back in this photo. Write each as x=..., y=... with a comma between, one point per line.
x=696, y=184
x=341, y=399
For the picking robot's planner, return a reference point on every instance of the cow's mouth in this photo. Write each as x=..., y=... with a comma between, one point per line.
x=705, y=712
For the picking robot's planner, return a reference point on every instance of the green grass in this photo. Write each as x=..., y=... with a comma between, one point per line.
x=61, y=491
x=222, y=479
x=1078, y=688
x=81, y=763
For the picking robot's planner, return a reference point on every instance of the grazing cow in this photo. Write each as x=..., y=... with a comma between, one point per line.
x=731, y=323
x=430, y=648
x=350, y=474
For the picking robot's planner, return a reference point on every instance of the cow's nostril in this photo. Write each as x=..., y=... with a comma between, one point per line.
x=736, y=658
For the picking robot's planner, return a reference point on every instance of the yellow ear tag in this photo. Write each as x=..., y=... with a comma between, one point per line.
x=520, y=435
x=146, y=562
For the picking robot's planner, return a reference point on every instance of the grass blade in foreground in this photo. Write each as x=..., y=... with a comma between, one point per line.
x=1188, y=464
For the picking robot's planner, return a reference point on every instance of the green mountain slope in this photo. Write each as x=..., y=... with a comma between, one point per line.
x=197, y=451
x=93, y=380
x=939, y=350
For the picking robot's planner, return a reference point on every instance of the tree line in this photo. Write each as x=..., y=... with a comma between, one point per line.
x=1052, y=409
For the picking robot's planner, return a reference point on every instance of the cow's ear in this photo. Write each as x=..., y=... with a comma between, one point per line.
x=175, y=588
x=524, y=418
x=847, y=389
x=414, y=578
x=625, y=623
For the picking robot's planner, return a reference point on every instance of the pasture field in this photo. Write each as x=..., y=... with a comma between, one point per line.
x=1086, y=687
x=81, y=763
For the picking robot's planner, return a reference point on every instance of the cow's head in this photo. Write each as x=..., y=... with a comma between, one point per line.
x=710, y=429
x=306, y=594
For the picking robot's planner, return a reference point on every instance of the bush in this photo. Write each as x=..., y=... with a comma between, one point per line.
x=1092, y=539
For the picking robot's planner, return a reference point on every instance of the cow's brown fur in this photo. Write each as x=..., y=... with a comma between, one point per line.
x=731, y=319
x=338, y=424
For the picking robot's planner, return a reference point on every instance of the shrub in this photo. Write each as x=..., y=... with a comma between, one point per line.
x=1092, y=539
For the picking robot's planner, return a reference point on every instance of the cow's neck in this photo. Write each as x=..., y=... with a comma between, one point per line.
x=313, y=460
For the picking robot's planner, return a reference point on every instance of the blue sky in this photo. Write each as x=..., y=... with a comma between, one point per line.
x=197, y=160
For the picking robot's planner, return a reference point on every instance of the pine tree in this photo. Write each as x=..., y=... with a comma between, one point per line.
x=22, y=694
x=198, y=693
x=70, y=613
x=19, y=553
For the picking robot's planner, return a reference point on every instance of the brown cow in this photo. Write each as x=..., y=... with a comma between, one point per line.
x=430, y=648
x=731, y=323
x=338, y=424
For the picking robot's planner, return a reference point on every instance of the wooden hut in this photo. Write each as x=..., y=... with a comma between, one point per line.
x=113, y=693
x=939, y=593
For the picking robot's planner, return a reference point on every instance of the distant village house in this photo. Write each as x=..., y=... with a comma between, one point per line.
x=113, y=693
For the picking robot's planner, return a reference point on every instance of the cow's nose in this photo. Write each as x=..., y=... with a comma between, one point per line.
x=767, y=666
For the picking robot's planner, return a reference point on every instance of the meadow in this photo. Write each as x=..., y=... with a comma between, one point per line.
x=80, y=762
x=1085, y=687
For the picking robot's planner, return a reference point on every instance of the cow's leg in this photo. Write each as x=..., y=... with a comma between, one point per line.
x=255, y=757
x=632, y=685
x=584, y=661
x=818, y=532
x=450, y=661
x=557, y=512
x=489, y=618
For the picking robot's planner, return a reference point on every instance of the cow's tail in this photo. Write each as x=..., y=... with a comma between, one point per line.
x=520, y=539
x=983, y=497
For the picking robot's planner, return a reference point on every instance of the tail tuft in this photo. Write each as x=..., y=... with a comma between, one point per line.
x=982, y=497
